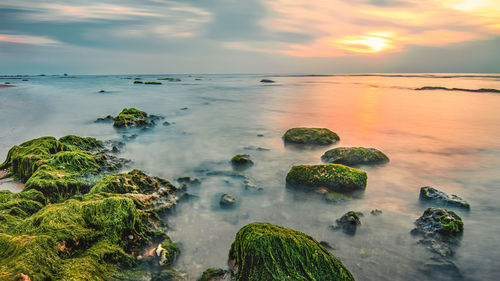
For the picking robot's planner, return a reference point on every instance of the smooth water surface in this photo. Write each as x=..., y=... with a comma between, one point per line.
x=446, y=139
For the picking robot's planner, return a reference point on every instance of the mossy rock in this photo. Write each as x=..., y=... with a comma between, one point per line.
x=262, y=251
x=316, y=136
x=439, y=223
x=167, y=251
x=25, y=203
x=135, y=181
x=130, y=117
x=349, y=222
x=23, y=159
x=354, y=156
x=335, y=177
x=64, y=175
x=241, y=160
x=81, y=143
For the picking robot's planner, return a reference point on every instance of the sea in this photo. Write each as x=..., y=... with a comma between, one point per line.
x=447, y=138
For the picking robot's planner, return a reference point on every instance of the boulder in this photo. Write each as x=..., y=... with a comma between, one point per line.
x=313, y=136
x=428, y=193
x=241, y=160
x=334, y=177
x=354, y=156
x=348, y=223
x=262, y=251
x=227, y=200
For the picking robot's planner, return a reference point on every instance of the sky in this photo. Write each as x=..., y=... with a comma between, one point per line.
x=249, y=36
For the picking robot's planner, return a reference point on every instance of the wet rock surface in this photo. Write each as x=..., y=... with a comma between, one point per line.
x=432, y=195
x=348, y=223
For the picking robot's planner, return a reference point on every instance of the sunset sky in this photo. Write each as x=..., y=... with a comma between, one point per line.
x=252, y=36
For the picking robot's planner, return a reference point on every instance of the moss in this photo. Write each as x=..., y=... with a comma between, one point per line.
x=23, y=160
x=81, y=143
x=335, y=177
x=64, y=175
x=167, y=251
x=134, y=181
x=354, y=156
x=130, y=117
x=439, y=222
x=320, y=136
x=32, y=256
x=262, y=251
x=23, y=204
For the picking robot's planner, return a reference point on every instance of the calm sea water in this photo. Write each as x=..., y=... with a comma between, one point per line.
x=447, y=139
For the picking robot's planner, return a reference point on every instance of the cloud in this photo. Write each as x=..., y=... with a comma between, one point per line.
x=345, y=28
x=27, y=39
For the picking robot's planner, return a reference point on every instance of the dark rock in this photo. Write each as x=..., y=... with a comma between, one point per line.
x=428, y=193
x=115, y=149
x=166, y=123
x=189, y=181
x=348, y=223
x=152, y=83
x=249, y=185
x=326, y=245
x=102, y=91
x=376, y=212
x=215, y=274
x=354, y=156
x=184, y=108
x=266, y=81
x=260, y=135
x=227, y=200
x=106, y=119
x=138, y=82
x=316, y=136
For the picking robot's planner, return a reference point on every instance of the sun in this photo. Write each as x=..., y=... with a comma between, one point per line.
x=368, y=43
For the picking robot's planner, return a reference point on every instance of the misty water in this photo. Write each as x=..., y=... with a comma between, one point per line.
x=447, y=139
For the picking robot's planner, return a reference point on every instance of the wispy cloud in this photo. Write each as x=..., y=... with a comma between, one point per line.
x=342, y=28
x=27, y=39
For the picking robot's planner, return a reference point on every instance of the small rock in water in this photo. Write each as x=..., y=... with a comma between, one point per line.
x=166, y=123
x=227, y=200
x=266, y=81
x=376, y=212
x=348, y=223
x=102, y=91
x=115, y=149
x=326, y=245
x=250, y=185
x=138, y=82
x=354, y=156
x=189, y=180
x=108, y=118
x=260, y=135
x=241, y=160
x=184, y=108
x=428, y=193
x=310, y=136
x=215, y=274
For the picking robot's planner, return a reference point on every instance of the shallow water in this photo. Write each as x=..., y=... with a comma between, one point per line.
x=446, y=139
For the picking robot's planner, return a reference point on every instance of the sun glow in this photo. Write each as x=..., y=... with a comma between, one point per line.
x=370, y=43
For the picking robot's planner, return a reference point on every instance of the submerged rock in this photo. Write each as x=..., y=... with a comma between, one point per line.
x=241, y=160
x=376, y=212
x=354, y=156
x=262, y=251
x=215, y=274
x=335, y=197
x=334, y=177
x=227, y=200
x=318, y=136
x=188, y=181
x=106, y=119
x=440, y=229
x=348, y=223
x=428, y=193
x=167, y=252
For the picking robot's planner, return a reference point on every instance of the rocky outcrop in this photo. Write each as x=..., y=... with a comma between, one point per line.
x=354, y=156
x=430, y=194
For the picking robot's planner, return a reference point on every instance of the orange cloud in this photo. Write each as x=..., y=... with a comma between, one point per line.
x=342, y=28
x=26, y=39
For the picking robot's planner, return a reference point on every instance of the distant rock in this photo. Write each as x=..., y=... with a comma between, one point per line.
x=317, y=136
x=108, y=118
x=241, y=160
x=267, y=81
x=482, y=90
x=188, y=181
x=131, y=117
x=376, y=212
x=166, y=123
x=152, y=83
x=227, y=200
x=138, y=82
x=169, y=79
x=348, y=223
x=354, y=156
x=102, y=91
x=334, y=177
x=430, y=194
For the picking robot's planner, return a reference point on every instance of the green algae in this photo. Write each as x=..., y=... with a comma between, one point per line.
x=80, y=143
x=335, y=177
x=130, y=117
x=23, y=159
x=262, y=251
x=167, y=251
x=134, y=181
x=319, y=136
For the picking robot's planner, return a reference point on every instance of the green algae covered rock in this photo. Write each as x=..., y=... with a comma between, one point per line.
x=319, y=136
x=430, y=194
x=262, y=251
x=22, y=159
x=130, y=117
x=334, y=177
x=214, y=274
x=354, y=156
x=241, y=160
x=81, y=143
x=439, y=222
